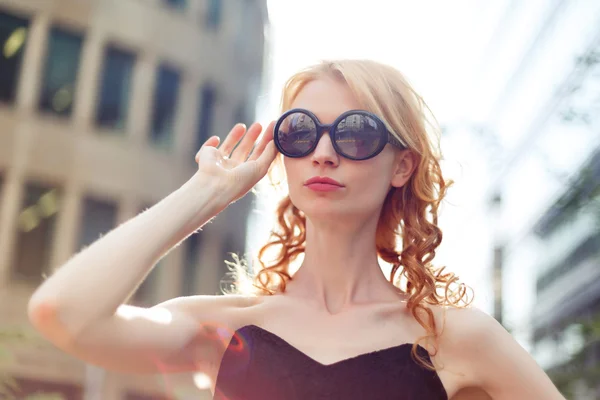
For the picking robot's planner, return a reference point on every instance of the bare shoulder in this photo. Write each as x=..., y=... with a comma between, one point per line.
x=461, y=326
x=466, y=334
x=489, y=357
x=466, y=326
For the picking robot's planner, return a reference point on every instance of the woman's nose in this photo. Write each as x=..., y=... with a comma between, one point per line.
x=324, y=153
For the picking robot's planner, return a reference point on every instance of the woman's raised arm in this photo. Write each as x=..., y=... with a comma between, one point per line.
x=80, y=308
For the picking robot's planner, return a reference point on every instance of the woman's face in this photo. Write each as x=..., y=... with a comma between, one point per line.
x=364, y=184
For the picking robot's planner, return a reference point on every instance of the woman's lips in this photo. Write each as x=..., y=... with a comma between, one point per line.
x=323, y=184
x=323, y=187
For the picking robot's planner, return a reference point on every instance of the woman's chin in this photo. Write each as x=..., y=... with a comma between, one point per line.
x=320, y=211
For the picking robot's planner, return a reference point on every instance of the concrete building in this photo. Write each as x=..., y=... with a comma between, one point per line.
x=537, y=95
x=103, y=105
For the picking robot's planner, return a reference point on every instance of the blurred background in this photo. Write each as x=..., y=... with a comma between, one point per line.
x=104, y=103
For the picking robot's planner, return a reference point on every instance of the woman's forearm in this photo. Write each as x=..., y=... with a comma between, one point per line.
x=97, y=280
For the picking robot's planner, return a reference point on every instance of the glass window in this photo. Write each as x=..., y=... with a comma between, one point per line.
x=13, y=36
x=99, y=217
x=213, y=14
x=180, y=4
x=165, y=105
x=207, y=109
x=36, y=224
x=115, y=88
x=190, y=266
x=62, y=65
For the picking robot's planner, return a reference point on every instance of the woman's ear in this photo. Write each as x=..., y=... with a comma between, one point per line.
x=404, y=166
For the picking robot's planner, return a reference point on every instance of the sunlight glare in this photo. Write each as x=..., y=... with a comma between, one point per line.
x=158, y=315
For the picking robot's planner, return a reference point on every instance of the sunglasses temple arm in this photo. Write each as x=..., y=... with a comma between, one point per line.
x=392, y=139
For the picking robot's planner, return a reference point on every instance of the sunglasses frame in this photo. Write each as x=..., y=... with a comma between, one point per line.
x=384, y=131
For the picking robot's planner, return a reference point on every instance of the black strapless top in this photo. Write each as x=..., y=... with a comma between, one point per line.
x=259, y=365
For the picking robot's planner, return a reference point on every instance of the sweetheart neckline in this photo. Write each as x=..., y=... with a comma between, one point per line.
x=335, y=363
x=340, y=362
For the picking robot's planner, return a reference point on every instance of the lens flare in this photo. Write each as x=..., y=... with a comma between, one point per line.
x=62, y=99
x=48, y=203
x=202, y=381
x=28, y=219
x=15, y=42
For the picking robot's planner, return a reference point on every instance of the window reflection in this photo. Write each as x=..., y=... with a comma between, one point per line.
x=190, y=266
x=208, y=95
x=357, y=135
x=99, y=217
x=62, y=65
x=299, y=130
x=13, y=37
x=115, y=88
x=165, y=104
x=213, y=14
x=36, y=224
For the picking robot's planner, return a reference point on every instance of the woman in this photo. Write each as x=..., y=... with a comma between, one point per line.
x=337, y=328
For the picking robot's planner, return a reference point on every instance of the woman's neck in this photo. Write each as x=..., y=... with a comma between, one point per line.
x=340, y=268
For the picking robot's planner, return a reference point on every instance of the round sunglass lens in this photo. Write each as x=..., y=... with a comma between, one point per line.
x=297, y=134
x=358, y=136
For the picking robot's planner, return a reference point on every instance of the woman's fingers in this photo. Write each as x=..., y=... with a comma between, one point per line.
x=232, y=139
x=240, y=154
x=213, y=141
x=266, y=158
x=241, y=145
x=260, y=147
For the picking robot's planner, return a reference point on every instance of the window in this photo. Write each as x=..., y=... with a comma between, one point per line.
x=115, y=88
x=36, y=224
x=178, y=4
x=99, y=217
x=190, y=266
x=207, y=105
x=13, y=35
x=213, y=14
x=62, y=64
x=165, y=105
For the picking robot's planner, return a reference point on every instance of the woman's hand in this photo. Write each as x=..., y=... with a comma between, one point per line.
x=239, y=162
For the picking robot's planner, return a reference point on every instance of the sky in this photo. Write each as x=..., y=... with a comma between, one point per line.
x=438, y=46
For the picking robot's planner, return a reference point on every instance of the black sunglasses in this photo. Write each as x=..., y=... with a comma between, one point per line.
x=356, y=134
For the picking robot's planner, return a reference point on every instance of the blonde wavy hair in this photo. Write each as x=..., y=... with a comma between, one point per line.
x=409, y=213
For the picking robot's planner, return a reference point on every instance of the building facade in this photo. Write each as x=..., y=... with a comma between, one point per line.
x=542, y=105
x=103, y=105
